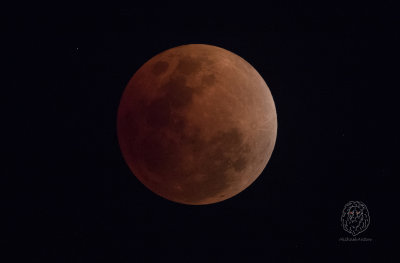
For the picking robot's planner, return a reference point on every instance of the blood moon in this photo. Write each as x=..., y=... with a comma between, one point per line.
x=196, y=124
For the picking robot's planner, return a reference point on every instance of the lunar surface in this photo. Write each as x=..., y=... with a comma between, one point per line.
x=197, y=124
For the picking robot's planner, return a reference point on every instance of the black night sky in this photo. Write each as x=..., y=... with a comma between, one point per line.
x=69, y=196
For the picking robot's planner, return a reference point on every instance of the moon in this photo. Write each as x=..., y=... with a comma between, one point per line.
x=197, y=124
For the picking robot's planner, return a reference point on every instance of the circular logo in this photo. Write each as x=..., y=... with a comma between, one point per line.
x=355, y=217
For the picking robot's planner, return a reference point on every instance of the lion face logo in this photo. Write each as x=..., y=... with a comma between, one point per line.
x=355, y=217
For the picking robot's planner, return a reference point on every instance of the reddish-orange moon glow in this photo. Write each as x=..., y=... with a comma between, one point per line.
x=197, y=124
